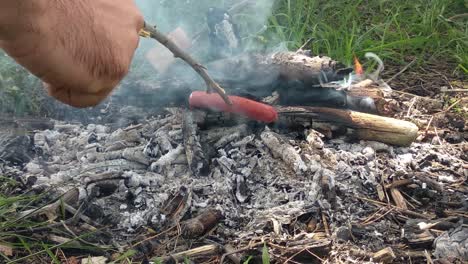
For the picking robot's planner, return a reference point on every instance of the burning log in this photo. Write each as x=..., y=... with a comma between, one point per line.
x=310, y=70
x=355, y=125
x=335, y=122
x=255, y=70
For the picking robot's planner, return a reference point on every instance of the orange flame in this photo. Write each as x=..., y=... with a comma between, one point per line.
x=358, y=66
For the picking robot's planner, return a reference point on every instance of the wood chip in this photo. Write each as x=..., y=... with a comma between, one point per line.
x=6, y=250
x=94, y=260
x=381, y=192
x=385, y=255
x=398, y=198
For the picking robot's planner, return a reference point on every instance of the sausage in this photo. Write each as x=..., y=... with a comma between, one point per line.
x=242, y=106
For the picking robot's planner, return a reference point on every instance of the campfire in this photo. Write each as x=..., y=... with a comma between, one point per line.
x=304, y=160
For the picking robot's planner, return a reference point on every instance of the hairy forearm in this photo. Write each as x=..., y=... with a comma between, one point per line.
x=15, y=17
x=80, y=49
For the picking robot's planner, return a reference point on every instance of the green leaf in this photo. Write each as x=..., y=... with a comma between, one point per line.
x=248, y=260
x=265, y=255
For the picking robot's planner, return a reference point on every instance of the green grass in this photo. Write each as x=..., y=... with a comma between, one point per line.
x=396, y=30
x=20, y=92
x=27, y=236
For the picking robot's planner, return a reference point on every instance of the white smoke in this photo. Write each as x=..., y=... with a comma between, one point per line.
x=190, y=15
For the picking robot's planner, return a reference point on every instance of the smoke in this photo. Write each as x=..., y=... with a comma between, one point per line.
x=190, y=15
x=191, y=18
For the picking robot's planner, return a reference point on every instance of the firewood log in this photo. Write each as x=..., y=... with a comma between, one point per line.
x=355, y=125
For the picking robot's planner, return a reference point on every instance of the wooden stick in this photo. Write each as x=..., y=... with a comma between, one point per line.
x=358, y=125
x=152, y=32
x=192, y=253
x=403, y=211
x=399, y=183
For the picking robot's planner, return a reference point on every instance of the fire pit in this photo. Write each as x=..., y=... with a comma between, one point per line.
x=308, y=163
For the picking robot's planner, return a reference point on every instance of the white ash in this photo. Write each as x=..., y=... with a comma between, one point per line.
x=127, y=174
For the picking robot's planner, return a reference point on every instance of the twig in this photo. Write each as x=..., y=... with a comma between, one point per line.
x=325, y=224
x=453, y=105
x=453, y=90
x=437, y=136
x=458, y=16
x=152, y=237
x=403, y=211
x=192, y=253
x=428, y=125
x=152, y=32
x=399, y=183
x=80, y=239
x=233, y=257
x=371, y=219
x=402, y=71
x=310, y=252
x=305, y=44
x=408, y=114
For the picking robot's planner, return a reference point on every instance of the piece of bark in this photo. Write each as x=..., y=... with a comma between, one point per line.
x=115, y=165
x=355, y=125
x=381, y=192
x=385, y=255
x=196, y=159
x=136, y=155
x=177, y=205
x=398, y=198
x=383, y=105
x=202, y=224
x=420, y=240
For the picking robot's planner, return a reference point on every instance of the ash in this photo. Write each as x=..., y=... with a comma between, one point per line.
x=267, y=182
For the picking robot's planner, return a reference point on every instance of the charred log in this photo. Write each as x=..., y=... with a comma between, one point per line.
x=193, y=150
x=202, y=224
x=336, y=122
x=354, y=125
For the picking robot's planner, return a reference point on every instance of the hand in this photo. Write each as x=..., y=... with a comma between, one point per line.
x=80, y=49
